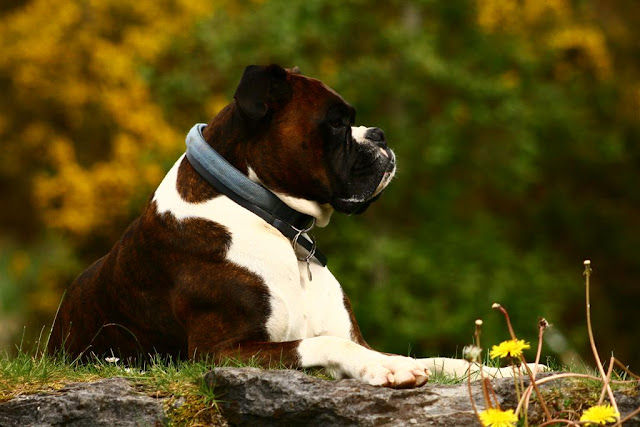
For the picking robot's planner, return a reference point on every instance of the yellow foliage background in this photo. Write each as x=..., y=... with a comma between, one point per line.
x=80, y=132
x=101, y=134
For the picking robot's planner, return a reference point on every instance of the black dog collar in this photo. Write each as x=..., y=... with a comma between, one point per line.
x=228, y=180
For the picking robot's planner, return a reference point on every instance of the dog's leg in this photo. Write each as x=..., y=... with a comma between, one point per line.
x=341, y=357
x=459, y=368
x=344, y=358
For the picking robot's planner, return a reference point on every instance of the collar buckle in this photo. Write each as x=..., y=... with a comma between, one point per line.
x=311, y=251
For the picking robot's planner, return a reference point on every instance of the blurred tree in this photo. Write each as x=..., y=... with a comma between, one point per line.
x=83, y=142
x=515, y=124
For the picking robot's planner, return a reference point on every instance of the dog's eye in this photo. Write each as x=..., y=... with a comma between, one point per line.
x=337, y=123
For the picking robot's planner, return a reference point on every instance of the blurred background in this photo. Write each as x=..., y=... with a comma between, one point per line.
x=515, y=122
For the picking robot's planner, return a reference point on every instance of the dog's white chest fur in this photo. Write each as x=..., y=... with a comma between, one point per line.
x=299, y=308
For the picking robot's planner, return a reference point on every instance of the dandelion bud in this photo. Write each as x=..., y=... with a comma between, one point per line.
x=587, y=267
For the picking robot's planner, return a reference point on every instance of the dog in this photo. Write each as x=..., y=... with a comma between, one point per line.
x=220, y=264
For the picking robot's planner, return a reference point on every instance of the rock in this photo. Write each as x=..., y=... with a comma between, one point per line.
x=287, y=397
x=255, y=397
x=110, y=402
x=250, y=396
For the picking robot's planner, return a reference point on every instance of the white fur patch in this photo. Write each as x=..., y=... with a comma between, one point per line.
x=322, y=213
x=299, y=308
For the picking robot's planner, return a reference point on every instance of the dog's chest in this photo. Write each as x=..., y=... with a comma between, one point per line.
x=299, y=308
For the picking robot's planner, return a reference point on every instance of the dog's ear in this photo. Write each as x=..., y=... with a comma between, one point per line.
x=261, y=88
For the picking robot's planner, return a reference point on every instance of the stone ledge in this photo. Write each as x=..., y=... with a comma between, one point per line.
x=287, y=397
x=284, y=397
x=253, y=397
x=109, y=402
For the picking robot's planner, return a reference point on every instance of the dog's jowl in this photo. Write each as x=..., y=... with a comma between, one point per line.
x=221, y=263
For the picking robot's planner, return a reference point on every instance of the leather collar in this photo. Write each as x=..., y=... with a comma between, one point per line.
x=228, y=180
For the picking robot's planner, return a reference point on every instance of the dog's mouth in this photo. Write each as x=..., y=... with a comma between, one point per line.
x=388, y=174
x=357, y=205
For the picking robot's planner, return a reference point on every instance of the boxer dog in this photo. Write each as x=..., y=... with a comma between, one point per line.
x=220, y=263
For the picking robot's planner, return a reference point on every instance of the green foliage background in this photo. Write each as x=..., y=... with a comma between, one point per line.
x=518, y=143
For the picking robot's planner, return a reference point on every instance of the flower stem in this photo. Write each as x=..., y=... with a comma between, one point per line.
x=606, y=386
x=627, y=417
x=493, y=392
x=558, y=421
x=587, y=274
x=542, y=325
x=606, y=380
x=506, y=316
x=473, y=403
x=624, y=368
x=485, y=393
x=535, y=388
x=531, y=377
x=515, y=381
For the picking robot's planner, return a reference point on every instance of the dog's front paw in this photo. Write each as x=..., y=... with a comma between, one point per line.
x=394, y=371
x=343, y=358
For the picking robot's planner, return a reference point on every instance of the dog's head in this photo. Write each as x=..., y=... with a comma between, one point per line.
x=303, y=146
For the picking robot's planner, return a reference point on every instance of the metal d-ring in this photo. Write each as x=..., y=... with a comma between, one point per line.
x=312, y=251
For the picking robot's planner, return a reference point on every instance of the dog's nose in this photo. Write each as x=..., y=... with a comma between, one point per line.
x=376, y=135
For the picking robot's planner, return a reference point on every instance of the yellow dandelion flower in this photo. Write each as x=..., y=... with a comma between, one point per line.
x=511, y=348
x=600, y=414
x=497, y=418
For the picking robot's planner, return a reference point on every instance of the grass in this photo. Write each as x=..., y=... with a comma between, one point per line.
x=186, y=398
x=31, y=372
